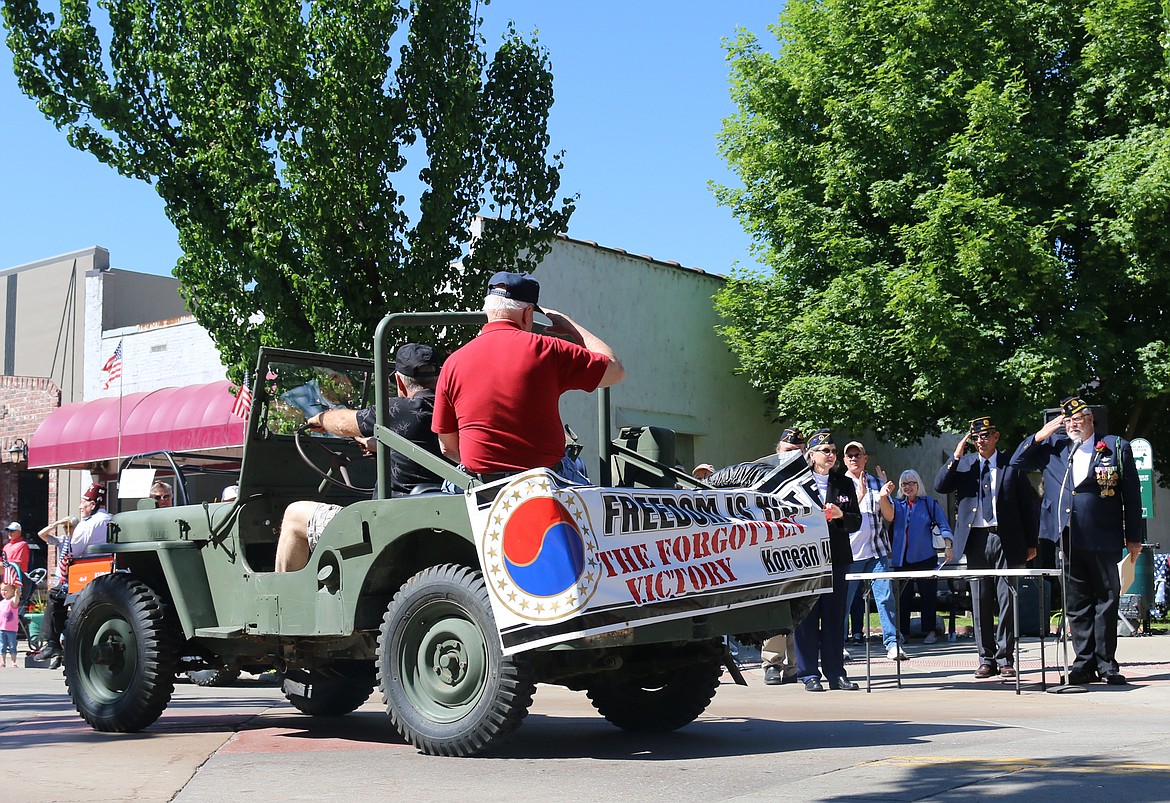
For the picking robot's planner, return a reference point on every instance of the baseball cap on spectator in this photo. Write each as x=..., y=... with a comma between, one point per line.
x=517, y=286
x=852, y=444
x=417, y=361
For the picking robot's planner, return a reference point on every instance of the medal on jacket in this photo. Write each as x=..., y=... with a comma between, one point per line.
x=1107, y=471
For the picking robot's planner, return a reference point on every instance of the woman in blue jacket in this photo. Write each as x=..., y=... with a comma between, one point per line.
x=914, y=517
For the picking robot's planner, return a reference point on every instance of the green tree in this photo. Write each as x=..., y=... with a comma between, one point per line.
x=281, y=135
x=962, y=207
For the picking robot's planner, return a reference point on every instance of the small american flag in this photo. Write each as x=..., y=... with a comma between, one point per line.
x=243, y=405
x=113, y=367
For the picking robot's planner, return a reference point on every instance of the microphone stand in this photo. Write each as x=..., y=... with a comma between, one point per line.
x=1065, y=687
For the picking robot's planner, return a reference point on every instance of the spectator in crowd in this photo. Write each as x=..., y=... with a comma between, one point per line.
x=822, y=633
x=871, y=545
x=778, y=652
x=9, y=622
x=16, y=553
x=161, y=493
x=230, y=493
x=914, y=517
x=703, y=471
x=1092, y=505
x=497, y=404
x=995, y=527
x=80, y=534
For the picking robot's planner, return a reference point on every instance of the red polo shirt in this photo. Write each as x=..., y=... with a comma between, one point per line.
x=501, y=393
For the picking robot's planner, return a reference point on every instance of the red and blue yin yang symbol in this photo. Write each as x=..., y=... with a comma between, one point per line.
x=544, y=552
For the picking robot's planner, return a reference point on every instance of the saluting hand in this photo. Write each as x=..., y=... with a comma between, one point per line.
x=962, y=447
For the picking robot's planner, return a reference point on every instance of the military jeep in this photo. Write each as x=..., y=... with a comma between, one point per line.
x=396, y=593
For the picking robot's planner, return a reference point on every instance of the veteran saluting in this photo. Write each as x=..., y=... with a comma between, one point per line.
x=1092, y=508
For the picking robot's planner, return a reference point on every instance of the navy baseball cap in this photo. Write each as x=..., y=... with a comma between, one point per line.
x=517, y=286
x=417, y=360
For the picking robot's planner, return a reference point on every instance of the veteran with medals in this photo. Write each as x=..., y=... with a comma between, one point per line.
x=1092, y=508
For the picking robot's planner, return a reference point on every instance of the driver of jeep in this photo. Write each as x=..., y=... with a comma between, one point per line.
x=416, y=371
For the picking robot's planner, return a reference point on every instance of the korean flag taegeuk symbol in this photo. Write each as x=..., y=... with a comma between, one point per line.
x=540, y=553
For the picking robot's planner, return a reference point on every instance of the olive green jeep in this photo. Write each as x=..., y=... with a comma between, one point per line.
x=412, y=594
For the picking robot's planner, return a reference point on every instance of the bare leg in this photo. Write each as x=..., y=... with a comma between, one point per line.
x=292, y=550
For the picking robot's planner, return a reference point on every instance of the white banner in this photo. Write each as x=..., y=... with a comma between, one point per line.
x=565, y=561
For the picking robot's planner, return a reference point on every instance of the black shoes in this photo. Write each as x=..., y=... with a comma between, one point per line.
x=773, y=675
x=813, y=684
x=55, y=661
x=1080, y=677
x=843, y=684
x=1113, y=678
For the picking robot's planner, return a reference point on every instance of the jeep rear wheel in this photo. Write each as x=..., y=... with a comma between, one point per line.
x=120, y=658
x=331, y=692
x=657, y=703
x=448, y=688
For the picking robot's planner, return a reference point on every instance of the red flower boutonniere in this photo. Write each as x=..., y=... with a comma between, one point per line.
x=1100, y=447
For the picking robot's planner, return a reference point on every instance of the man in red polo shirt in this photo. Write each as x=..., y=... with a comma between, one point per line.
x=497, y=403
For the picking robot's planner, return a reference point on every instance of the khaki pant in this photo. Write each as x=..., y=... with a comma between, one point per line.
x=780, y=651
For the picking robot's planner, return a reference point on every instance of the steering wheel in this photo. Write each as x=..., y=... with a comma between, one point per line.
x=338, y=460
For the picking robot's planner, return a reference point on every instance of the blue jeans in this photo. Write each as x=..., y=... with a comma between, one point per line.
x=883, y=595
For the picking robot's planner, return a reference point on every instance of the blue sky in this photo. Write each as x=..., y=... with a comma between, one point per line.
x=641, y=90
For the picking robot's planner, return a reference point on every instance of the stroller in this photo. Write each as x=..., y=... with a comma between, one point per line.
x=30, y=583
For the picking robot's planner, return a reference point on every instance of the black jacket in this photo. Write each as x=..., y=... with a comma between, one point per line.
x=842, y=494
x=1016, y=514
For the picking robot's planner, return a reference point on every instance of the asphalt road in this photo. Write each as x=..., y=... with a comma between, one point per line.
x=943, y=736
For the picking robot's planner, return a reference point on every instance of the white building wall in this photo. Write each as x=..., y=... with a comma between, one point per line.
x=658, y=318
x=164, y=353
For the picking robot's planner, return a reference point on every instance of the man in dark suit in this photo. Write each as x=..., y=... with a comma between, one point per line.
x=995, y=527
x=822, y=633
x=1092, y=502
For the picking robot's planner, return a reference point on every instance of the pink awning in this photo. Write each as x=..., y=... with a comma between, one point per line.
x=195, y=418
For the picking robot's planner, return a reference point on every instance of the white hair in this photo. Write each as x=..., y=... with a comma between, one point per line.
x=910, y=474
x=495, y=303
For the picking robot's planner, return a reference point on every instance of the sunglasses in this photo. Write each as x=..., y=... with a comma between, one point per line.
x=826, y=451
x=982, y=436
x=854, y=455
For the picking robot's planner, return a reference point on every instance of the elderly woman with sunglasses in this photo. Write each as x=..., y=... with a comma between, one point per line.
x=821, y=634
x=913, y=517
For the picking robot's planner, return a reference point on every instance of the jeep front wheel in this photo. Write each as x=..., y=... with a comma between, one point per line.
x=120, y=659
x=448, y=688
x=657, y=703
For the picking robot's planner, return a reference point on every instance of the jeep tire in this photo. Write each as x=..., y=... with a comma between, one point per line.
x=331, y=692
x=120, y=655
x=660, y=702
x=213, y=677
x=448, y=688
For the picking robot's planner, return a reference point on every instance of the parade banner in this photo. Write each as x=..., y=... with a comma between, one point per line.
x=566, y=561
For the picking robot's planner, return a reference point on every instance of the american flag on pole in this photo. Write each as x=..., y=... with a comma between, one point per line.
x=243, y=404
x=113, y=367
